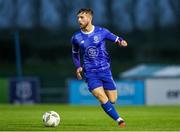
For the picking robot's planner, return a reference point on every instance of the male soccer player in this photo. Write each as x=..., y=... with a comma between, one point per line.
x=90, y=41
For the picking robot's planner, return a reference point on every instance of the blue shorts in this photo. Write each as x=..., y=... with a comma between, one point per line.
x=100, y=79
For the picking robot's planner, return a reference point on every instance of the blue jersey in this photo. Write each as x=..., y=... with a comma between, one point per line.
x=92, y=47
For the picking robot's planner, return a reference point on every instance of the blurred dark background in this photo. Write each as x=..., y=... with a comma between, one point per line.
x=45, y=27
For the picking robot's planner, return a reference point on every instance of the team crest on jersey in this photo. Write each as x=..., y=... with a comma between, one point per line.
x=92, y=51
x=96, y=39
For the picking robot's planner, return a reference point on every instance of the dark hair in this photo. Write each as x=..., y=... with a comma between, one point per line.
x=85, y=10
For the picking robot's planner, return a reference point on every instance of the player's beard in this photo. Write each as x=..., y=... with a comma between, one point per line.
x=83, y=26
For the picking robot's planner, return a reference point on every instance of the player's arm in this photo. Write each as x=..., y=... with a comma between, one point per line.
x=112, y=37
x=76, y=58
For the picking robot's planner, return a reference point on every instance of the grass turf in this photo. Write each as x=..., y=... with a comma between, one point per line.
x=89, y=118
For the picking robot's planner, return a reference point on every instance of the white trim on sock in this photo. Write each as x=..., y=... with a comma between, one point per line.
x=119, y=119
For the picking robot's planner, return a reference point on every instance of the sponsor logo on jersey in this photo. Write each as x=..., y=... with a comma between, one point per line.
x=92, y=51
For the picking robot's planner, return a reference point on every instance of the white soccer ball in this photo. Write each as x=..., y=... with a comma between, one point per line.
x=51, y=119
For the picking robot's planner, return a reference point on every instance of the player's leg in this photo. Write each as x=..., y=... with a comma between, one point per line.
x=112, y=95
x=107, y=106
x=111, y=91
x=95, y=86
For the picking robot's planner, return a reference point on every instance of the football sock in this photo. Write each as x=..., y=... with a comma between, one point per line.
x=110, y=110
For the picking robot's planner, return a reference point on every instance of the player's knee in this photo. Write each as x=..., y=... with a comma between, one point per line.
x=113, y=100
x=102, y=98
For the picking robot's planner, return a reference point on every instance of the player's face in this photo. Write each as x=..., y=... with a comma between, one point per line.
x=84, y=19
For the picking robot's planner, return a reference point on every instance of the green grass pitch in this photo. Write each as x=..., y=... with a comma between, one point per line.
x=89, y=118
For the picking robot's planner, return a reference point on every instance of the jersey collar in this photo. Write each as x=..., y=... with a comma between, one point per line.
x=89, y=31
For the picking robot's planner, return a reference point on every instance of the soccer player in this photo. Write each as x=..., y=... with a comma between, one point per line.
x=89, y=42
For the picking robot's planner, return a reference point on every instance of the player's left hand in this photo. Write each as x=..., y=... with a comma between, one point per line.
x=122, y=43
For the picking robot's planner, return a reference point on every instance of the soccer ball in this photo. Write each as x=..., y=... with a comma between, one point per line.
x=51, y=119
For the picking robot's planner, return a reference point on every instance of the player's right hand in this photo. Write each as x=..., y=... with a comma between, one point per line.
x=78, y=73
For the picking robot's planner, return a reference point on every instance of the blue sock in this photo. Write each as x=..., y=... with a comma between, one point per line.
x=110, y=110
